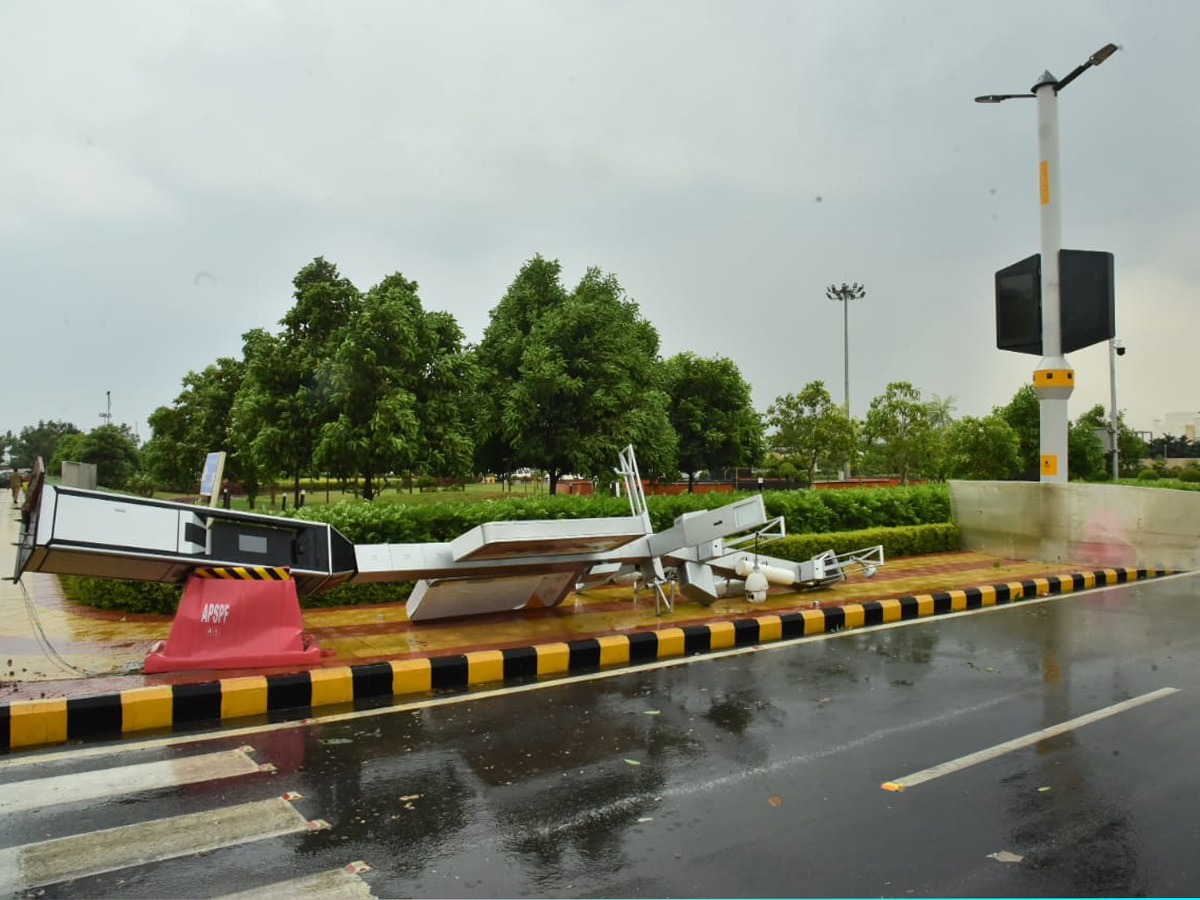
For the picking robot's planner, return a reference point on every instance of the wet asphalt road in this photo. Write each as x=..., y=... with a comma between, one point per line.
x=756, y=774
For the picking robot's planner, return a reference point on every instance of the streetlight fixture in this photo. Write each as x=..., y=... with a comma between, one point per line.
x=1054, y=379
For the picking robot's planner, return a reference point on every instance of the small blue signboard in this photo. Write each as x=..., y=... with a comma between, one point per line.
x=210, y=477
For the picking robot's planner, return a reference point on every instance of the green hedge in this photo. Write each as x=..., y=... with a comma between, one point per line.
x=126, y=596
x=152, y=597
x=804, y=512
x=905, y=540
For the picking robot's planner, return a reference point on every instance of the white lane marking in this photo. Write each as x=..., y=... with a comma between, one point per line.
x=134, y=744
x=336, y=884
x=46, y=862
x=24, y=795
x=971, y=759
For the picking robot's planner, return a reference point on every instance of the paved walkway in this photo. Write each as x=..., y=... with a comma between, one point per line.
x=51, y=647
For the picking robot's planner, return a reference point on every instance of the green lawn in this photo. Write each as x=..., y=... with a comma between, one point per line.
x=318, y=495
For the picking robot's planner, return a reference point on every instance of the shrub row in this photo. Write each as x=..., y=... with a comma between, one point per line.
x=152, y=597
x=803, y=511
x=905, y=540
x=126, y=596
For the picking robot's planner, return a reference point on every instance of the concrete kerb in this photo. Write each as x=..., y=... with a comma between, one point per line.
x=26, y=724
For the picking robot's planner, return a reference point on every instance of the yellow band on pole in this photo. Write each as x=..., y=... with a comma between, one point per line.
x=1053, y=377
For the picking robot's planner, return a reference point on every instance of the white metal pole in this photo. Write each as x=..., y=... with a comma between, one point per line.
x=846, y=350
x=1112, y=409
x=1053, y=380
x=846, y=358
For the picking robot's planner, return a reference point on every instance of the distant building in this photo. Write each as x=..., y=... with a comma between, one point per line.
x=1178, y=424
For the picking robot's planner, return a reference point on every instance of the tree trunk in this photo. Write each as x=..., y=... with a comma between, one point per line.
x=691, y=481
x=368, y=487
x=554, y=473
x=296, y=490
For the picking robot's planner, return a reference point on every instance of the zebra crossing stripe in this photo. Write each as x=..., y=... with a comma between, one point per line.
x=335, y=884
x=113, y=782
x=46, y=862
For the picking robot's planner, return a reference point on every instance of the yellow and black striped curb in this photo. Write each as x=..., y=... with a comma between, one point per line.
x=32, y=723
x=244, y=573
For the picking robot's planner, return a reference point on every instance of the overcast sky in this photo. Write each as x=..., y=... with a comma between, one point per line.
x=167, y=167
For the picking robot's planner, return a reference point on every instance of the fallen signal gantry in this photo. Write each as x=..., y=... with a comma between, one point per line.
x=494, y=567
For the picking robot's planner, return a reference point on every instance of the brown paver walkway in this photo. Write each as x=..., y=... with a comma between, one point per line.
x=95, y=651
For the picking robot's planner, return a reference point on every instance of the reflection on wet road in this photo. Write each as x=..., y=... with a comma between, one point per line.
x=750, y=775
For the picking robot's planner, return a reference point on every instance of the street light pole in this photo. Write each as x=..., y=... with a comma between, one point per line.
x=1115, y=349
x=845, y=293
x=1053, y=380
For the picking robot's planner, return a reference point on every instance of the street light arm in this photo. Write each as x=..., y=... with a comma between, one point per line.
x=1000, y=98
x=1094, y=60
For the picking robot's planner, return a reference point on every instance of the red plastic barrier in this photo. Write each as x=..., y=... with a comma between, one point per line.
x=235, y=625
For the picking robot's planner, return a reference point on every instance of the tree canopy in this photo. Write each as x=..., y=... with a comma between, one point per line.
x=111, y=448
x=575, y=377
x=38, y=440
x=811, y=431
x=195, y=424
x=985, y=448
x=898, y=430
x=393, y=375
x=712, y=414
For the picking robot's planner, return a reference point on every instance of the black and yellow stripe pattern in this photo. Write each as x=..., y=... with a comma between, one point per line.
x=244, y=573
x=32, y=723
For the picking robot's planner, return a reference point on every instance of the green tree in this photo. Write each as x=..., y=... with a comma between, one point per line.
x=712, y=414
x=1023, y=414
x=111, y=448
x=536, y=290
x=940, y=413
x=195, y=424
x=38, y=440
x=394, y=375
x=577, y=378
x=273, y=415
x=898, y=429
x=986, y=448
x=1086, y=458
x=1132, y=448
x=810, y=430
x=70, y=447
x=284, y=400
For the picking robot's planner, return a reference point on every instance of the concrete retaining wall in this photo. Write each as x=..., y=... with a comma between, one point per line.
x=1078, y=524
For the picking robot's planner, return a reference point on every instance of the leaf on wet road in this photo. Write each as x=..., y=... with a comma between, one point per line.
x=775, y=800
x=633, y=762
x=1005, y=856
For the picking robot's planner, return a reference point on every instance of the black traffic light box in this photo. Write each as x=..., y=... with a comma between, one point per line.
x=1088, y=303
